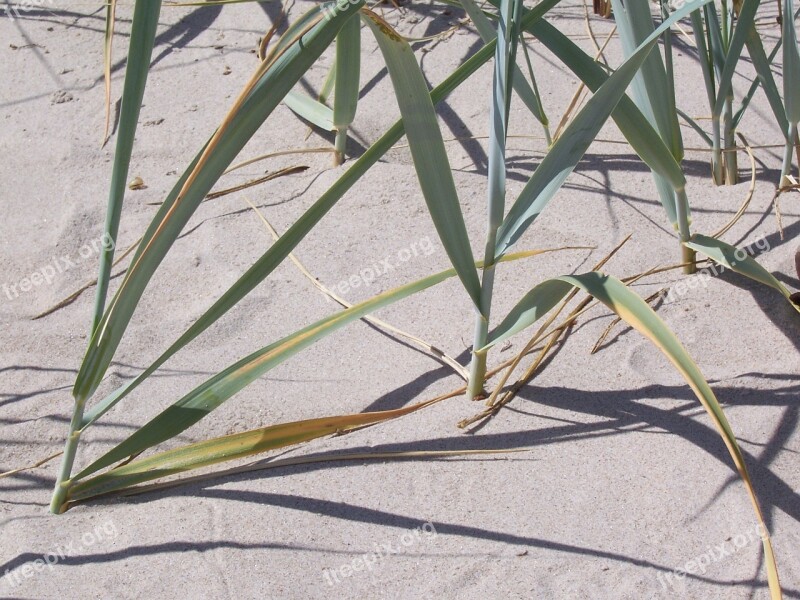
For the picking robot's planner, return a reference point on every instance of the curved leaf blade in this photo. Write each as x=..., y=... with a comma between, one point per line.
x=230, y=447
x=638, y=314
x=739, y=261
x=211, y=394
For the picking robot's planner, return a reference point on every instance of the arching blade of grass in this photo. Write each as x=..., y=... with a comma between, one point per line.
x=565, y=154
x=638, y=314
x=230, y=447
x=791, y=85
x=427, y=150
x=207, y=397
x=272, y=83
x=739, y=261
x=142, y=39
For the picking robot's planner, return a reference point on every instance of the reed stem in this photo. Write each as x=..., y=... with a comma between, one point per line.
x=68, y=459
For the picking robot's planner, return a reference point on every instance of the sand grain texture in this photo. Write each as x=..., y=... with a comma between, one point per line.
x=626, y=478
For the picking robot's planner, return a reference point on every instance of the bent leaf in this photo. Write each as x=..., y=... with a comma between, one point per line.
x=739, y=261
x=638, y=314
x=229, y=447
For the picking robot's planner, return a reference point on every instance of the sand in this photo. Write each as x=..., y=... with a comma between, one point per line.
x=624, y=480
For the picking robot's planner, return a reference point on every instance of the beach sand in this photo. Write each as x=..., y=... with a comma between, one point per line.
x=623, y=480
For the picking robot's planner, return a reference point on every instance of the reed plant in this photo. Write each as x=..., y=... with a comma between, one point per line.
x=649, y=123
x=721, y=34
